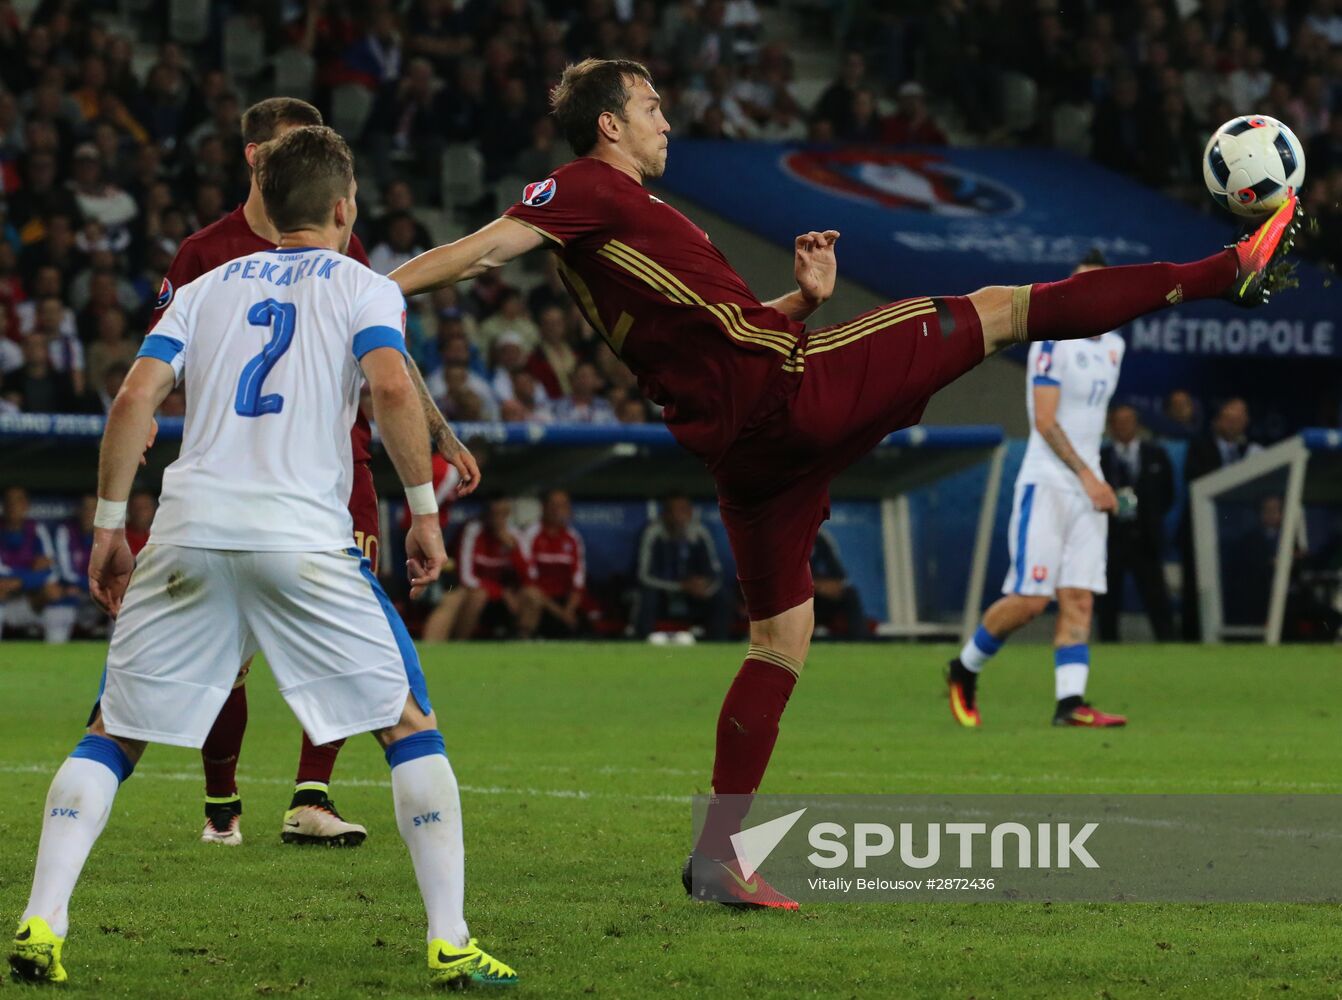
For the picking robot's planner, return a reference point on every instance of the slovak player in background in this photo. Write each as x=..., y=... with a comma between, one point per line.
x=1059, y=530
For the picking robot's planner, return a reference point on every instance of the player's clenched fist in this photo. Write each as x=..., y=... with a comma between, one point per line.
x=814, y=266
x=110, y=565
x=425, y=554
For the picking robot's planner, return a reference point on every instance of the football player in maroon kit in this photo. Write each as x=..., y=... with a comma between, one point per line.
x=312, y=817
x=773, y=409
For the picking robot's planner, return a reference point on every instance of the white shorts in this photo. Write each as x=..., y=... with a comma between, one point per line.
x=1057, y=539
x=339, y=651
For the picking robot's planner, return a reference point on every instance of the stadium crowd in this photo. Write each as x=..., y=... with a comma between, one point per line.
x=106, y=166
x=117, y=142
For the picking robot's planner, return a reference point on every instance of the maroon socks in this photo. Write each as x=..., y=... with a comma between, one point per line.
x=1094, y=302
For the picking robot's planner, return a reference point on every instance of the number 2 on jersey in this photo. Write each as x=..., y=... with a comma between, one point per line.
x=279, y=316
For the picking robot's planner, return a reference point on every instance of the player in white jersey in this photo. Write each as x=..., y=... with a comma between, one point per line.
x=253, y=546
x=1059, y=524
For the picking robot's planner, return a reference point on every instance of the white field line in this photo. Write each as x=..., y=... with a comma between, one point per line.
x=197, y=778
x=1163, y=784
x=1008, y=780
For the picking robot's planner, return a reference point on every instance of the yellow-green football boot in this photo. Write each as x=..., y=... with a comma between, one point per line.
x=469, y=966
x=35, y=956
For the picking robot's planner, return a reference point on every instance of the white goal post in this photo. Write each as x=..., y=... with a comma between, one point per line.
x=1312, y=462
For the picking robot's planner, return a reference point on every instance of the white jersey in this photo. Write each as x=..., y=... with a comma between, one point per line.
x=1086, y=372
x=268, y=346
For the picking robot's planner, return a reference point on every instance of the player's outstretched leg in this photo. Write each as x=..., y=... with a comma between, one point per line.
x=219, y=756
x=76, y=810
x=428, y=815
x=312, y=817
x=1071, y=663
x=1094, y=302
x=1004, y=617
x=746, y=734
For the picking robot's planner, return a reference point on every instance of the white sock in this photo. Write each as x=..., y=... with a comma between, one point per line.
x=78, y=804
x=58, y=621
x=981, y=647
x=1071, y=668
x=428, y=814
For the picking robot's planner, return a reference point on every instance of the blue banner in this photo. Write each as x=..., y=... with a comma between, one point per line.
x=948, y=221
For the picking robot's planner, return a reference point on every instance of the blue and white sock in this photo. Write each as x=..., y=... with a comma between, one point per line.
x=1071, y=668
x=980, y=648
x=77, y=807
x=428, y=814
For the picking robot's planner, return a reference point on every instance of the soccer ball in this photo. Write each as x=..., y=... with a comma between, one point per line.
x=1253, y=164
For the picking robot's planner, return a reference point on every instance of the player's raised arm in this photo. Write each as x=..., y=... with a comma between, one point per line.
x=483, y=250
x=129, y=424
x=398, y=413
x=815, y=268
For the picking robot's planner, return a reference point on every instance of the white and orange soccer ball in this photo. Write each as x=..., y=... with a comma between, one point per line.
x=1252, y=164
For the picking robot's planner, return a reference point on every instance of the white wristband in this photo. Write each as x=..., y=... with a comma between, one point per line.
x=110, y=514
x=421, y=499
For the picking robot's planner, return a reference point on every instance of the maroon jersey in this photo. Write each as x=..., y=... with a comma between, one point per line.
x=488, y=562
x=664, y=297
x=228, y=239
x=558, y=560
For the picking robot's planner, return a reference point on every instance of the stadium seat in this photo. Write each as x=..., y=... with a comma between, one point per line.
x=295, y=73
x=189, y=21
x=351, y=103
x=1071, y=128
x=463, y=175
x=244, y=48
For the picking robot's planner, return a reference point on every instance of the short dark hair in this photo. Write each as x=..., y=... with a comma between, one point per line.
x=263, y=119
x=302, y=174
x=1095, y=258
x=586, y=91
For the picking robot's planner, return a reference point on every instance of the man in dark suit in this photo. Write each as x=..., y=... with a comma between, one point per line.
x=1224, y=444
x=1143, y=478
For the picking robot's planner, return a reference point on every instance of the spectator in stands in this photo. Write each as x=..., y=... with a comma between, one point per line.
x=583, y=405
x=11, y=350
x=70, y=544
x=912, y=125
x=511, y=317
x=496, y=581
x=864, y=121
x=554, y=360
x=679, y=575
x=558, y=564
x=399, y=244
x=510, y=360
x=836, y=103
x=455, y=377
x=398, y=199
x=1181, y=414
x=1142, y=476
x=838, y=605
x=1119, y=128
x=109, y=384
x=1225, y=443
x=112, y=346
x=529, y=403
x=632, y=410
x=38, y=387
x=28, y=589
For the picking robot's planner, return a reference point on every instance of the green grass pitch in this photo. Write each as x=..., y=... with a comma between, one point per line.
x=576, y=763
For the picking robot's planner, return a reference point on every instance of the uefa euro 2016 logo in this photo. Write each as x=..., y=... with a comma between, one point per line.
x=921, y=182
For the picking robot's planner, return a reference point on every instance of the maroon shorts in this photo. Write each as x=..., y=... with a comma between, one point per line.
x=856, y=383
x=363, y=508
